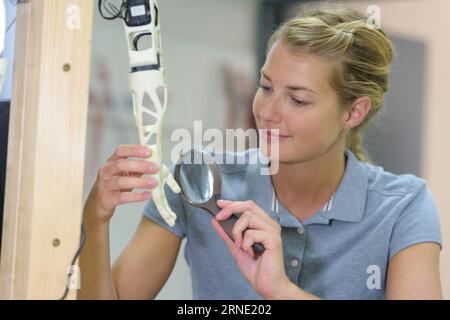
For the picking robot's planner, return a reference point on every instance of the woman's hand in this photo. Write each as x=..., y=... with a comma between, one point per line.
x=116, y=180
x=265, y=272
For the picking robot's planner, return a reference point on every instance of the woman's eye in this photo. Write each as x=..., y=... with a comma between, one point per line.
x=300, y=103
x=264, y=88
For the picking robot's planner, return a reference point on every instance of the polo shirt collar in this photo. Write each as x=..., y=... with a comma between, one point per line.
x=349, y=200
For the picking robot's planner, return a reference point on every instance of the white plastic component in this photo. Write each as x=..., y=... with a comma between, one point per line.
x=149, y=85
x=140, y=86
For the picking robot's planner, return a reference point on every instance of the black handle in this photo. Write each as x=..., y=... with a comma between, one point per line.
x=228, y=226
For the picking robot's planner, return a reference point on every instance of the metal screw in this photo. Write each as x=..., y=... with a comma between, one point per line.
x=56, y=242
x=66, y=67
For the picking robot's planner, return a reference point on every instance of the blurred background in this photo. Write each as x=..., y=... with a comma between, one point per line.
x=212, y=52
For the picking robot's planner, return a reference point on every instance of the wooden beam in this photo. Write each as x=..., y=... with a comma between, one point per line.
x=44, y=179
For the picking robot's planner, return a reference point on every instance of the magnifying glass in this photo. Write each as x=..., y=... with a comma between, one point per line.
x=200, y=181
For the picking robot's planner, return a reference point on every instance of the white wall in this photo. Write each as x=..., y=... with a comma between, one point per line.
x=198, y=37
x=427, y=21
x=9, y=50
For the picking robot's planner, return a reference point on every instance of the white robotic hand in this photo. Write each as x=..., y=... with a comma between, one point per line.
x=144, y=86
x=147, y=85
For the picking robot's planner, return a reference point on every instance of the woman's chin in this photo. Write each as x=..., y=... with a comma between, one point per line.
x=283, y=154
x=276, y=152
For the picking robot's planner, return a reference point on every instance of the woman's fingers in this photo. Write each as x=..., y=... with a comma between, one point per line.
x=121, y=166
x=228, y=207
x=253, y=226
x=126, y=150
x=127, y=183
x=127, y=197
x=248, y=220
x=250, y=237
x=117, y=178
x=269, y=240
x=231, y=207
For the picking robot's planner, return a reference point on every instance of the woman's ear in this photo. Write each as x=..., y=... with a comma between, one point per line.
x=357, y=112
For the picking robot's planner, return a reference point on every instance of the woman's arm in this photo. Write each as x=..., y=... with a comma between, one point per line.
x=145, y=265
x=139, y=272
x=95, y=268
x=413, y=273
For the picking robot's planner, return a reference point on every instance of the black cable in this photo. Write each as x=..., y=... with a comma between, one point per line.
x=14, y=3
x=10, y=25
x=106, y=5
x=82, y=242
x=113, y=8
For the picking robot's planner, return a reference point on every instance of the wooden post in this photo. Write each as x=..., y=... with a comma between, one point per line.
x=44, y=181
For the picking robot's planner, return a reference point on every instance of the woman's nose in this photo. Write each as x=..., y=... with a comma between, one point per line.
x=270, y=110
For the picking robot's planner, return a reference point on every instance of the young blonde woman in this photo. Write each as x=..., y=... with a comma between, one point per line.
x=333, y=225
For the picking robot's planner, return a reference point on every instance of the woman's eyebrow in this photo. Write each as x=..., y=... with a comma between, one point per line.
x=293, y=88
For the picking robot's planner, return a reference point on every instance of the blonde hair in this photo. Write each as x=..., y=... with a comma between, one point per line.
x=360, y=56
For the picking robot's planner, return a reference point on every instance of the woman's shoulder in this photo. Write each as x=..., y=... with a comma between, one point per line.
x=399, y=195
x=387, y=183
x=403, y=203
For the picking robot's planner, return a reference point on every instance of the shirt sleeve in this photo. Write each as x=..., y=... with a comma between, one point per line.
x=418, y=223
x=176, y=204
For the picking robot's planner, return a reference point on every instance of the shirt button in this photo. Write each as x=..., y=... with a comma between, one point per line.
x=294, y=263
x=300, y=230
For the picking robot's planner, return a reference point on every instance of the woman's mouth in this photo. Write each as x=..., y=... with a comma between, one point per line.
x=273, y=135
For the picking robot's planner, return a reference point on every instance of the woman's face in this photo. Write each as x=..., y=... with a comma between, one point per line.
x=295, y=97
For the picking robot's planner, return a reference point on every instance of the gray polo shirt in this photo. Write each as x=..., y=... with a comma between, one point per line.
x=342, y=252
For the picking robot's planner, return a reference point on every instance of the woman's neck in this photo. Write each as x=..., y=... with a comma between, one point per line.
x=310, y=184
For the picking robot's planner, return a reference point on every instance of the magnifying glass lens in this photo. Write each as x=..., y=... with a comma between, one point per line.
x=196, y=182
